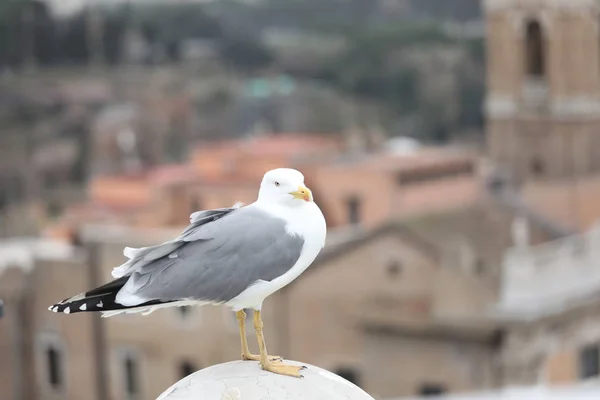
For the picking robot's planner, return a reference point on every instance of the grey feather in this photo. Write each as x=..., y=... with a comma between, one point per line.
x=217, y=260
x=142, y=256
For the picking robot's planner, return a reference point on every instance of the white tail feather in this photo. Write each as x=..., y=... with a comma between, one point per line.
x=147, y=310
x=130, y=252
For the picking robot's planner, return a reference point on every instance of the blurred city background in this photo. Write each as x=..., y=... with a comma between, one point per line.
x=453, y=146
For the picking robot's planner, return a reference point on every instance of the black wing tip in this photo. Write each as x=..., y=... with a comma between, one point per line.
x=80, y=303
x=65, y=308
x=95, y=304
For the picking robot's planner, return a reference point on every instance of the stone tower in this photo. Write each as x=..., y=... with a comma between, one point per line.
x=543, y=100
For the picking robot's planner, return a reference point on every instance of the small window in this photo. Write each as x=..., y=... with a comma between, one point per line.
x=537, y=167
x=131, y=375
x=54, y=365
x=186, y=368
x=353, y=211
x=349, y=374
x=393, y=269
x=432, y=390
x=589, y=362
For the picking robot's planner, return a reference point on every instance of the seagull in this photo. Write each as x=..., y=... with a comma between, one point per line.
x=234, y=257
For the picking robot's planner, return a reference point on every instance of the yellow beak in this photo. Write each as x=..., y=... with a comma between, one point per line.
x=303, y=193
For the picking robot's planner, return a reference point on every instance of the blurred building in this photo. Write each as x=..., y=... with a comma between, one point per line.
x=373, y=298
x=412, y=264
x=360, y=187
x=549, y=301
x=543, y=103
x=59, y=133
x=543, y=111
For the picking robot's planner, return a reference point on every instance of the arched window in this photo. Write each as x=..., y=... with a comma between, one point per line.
x=52, y=362
x=131, y=375
x=393, y=269
x=353, y=207
x=184, y=311
x=54, y=367
x=535, y=50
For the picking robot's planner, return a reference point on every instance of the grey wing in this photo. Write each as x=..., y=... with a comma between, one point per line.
x=138, y=258
x=227, y=256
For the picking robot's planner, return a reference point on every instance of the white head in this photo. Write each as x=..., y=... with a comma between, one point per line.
x=284, y=186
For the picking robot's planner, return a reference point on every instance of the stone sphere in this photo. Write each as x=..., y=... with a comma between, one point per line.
x=245, y=380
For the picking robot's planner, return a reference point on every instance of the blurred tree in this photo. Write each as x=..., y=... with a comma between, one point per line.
x=115, y=28
x=73, y=40
x=26, y=32
x=44, y=34
x=381, y=64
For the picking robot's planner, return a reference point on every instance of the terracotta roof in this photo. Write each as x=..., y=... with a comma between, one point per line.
x=173, y=173
x=120, y=191
x=229, y=180
x=286, y=144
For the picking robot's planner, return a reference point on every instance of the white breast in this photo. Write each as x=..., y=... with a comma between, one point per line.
x=306, y=221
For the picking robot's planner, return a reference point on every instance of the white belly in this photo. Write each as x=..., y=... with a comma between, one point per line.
x=314, y=233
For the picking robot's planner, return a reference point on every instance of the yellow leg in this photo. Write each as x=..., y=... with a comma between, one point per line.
x=265, y=361
x=246, y=355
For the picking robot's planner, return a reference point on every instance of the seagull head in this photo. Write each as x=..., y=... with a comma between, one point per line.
x=284, y=186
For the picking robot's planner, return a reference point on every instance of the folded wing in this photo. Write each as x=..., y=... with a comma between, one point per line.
x=142, y=256
x=214, y=261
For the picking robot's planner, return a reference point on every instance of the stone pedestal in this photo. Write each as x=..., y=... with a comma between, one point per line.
x=245, y=380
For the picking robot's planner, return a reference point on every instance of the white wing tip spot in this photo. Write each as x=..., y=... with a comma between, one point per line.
x=67, y=310
x=83, y=307
x=99, y=304
x=173, y=255
x=55, y=309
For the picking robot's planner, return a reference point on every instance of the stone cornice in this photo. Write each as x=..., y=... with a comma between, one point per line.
x=566, y=5
x=499, y=107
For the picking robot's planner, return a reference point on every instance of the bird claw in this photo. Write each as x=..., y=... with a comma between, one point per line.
x=256, y=357
x=283, y=369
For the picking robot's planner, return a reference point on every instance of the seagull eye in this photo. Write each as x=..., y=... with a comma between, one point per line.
x=277, y=184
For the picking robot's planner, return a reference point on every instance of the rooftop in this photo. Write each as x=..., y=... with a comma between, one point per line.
x=424, y=158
